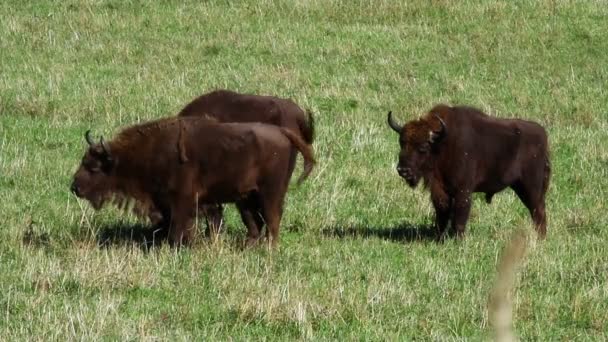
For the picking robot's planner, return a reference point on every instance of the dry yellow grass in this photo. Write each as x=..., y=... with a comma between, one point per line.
x=500, y=305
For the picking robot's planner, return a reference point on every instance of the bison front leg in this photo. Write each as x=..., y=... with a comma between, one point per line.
x=443, y=208
x=460, y=212
x=160, y=230
x=181, y=231
x=160, y=217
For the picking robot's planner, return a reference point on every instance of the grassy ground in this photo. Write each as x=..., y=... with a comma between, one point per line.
x=356, y=260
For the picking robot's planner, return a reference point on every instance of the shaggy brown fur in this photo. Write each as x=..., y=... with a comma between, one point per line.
x=460, y=150
x=173, y=165
x=229, y=106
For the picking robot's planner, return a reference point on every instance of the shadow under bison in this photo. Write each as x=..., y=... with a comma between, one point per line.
x=121, y=233
x=404, y=232
x=147, y=237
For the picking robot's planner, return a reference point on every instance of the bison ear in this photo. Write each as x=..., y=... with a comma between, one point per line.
x=438, y=135
x=394, y=125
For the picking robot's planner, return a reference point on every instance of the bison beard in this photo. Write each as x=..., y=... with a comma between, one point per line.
x=172, y=166
x=229, y=106
x=460, y=150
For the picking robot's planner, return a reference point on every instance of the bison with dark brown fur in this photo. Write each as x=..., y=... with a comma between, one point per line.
x=229, y=106
x=460, y=150
x=171, y=166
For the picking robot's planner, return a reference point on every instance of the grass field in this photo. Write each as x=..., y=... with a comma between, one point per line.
x=357, y=260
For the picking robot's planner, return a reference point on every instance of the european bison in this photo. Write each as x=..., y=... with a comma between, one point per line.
x=460, y=150
x=230, y=106
x=172, y=165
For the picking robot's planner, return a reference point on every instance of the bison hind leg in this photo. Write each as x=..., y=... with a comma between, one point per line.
x=249, y=208
x=540, y=220
x=534, y=200
x=214, y=217
x=272, y=212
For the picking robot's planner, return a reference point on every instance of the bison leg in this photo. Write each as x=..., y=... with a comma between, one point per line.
x=249, y=214
x=460, y=212
x=540, y=219
x=160, y=219
x=443, y=208
x=181, y=227
x=272, y=211
x=272, y=216
x=535, y=202
x=213, y=216
x=181, y=230
x=160, y=230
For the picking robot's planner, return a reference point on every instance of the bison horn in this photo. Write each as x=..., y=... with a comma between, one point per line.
x=394, y=125
x=104, y=146
x=87, y=137
x=435, y=135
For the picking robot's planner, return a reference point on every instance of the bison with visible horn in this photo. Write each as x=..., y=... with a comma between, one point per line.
x=171, y=166
x=460, y=150
x=230, y=106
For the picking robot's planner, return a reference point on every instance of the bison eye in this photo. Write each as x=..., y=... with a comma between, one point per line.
x=423, y=149
x=92, y=167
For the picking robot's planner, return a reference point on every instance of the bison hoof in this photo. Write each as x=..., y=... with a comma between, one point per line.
x=251, y=242
x=441, y=237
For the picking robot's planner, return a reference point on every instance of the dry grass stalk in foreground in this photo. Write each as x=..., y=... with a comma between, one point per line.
x=500, y=301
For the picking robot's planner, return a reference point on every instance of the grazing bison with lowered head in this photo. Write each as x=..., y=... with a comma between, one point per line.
x=171, y=166
x=230, y=106
x=460, y=150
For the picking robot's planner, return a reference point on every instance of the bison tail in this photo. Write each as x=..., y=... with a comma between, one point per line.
x=305, y=150
x=308, y=127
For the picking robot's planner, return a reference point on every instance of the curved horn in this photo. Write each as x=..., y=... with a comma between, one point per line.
x=443, y=128
x=394, y=125
x=104, y=146
x=436, y=135
x=87, y=137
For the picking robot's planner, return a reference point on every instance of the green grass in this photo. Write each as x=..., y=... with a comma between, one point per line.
x=353, y=262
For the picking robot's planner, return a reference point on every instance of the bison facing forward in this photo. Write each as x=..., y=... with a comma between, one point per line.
x=230, y=106
x=171, y=166
x=460, y=150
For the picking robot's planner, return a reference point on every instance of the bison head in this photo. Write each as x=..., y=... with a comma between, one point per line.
x=92, y=179
x=419, y=141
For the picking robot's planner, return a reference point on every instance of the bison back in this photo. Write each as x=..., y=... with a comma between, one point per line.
x=228, y=106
